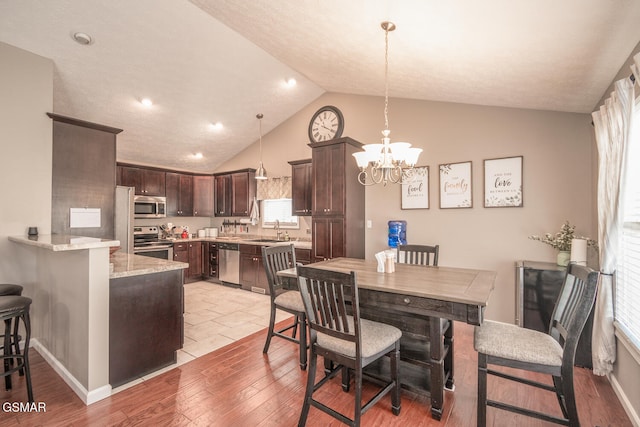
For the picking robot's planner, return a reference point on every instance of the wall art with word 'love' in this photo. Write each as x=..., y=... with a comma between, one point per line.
x=503, y=182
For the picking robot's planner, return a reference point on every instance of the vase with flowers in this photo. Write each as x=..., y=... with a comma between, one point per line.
x=562, y=241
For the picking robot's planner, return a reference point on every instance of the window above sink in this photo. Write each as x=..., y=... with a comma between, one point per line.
x=278, y=210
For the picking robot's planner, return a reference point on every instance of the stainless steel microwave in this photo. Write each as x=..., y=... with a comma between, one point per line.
x=150, y=206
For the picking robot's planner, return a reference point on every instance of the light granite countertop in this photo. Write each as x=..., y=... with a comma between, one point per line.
x=125, y=265
x=64, y=242
x=246, y=240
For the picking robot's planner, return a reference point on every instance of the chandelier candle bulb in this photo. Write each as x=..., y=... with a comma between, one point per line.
x=579, y=251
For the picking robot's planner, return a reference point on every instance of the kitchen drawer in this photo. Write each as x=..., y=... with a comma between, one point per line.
x=404, y=302
x=183, y=246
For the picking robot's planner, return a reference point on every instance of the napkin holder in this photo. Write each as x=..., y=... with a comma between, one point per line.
x=380, y=257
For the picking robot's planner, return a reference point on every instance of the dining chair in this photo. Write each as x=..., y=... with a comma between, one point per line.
x=505, y=344
x=348, y=341
x=276, y=258
x=418, y=254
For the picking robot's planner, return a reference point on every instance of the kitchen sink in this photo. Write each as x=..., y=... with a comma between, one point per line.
x=265, y=240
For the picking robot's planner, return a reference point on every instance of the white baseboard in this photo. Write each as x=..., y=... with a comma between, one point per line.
x=88, y=397
x=626, y=404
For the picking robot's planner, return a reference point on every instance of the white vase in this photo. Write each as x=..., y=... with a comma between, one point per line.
x=563, y=258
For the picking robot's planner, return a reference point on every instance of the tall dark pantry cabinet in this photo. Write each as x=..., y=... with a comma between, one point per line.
x=337, y=215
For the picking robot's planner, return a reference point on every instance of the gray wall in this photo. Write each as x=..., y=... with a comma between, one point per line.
x=84, y=176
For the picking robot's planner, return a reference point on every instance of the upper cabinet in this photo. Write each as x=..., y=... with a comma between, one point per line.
x=301, y=187
x=179, y=190
x=243, y=190
x=328, y=178
x=203, y=195
x=338, y=200
x=222, y=195
x=235, y=192
x=147, y=182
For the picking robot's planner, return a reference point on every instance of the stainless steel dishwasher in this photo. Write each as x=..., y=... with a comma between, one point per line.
x=229, y=263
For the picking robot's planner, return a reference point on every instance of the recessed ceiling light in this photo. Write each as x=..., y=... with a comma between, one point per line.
x=198, y=155
x=146, y=102
x=291, y=82
x=216, y=126
x=82, y=38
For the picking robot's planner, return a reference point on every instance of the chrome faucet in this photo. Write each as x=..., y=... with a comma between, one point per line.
x=277, y=228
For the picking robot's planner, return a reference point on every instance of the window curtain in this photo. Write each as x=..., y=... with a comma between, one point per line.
x=274, y=188
x=612, y=124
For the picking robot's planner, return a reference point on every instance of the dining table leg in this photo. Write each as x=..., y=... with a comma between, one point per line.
x=437, y=350
x=448, y=359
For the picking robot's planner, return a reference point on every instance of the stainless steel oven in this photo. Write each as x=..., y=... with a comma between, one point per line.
x=159, y=251
x=146, y=242
x=150, y=206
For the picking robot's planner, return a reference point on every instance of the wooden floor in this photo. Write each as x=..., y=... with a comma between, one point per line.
x=238, y=386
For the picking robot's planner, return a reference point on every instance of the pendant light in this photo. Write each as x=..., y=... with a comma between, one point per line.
x=261, y=173
x=386, y=162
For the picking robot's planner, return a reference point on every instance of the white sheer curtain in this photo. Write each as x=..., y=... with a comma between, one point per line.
x=612, y=126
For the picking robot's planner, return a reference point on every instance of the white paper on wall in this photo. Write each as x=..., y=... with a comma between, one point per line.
x=84, y=217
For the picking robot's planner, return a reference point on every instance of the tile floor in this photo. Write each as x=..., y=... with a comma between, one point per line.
x=216, y=315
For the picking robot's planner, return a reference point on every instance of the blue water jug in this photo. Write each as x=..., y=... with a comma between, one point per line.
x=397, y=233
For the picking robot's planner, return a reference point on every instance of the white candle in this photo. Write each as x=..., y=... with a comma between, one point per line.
x=579, y=251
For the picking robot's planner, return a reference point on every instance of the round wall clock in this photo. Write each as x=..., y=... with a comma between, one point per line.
x=327, y=123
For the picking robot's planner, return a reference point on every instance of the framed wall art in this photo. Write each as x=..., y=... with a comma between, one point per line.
x=415, y=188
x=455, y=186
x=503, y=182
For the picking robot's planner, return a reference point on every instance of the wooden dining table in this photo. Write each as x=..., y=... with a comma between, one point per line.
x=423, y=301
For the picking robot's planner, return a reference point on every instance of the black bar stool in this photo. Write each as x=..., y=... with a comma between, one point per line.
x=14, y=308
x=11, y=289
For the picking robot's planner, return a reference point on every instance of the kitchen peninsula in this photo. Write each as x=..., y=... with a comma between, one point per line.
x=74, y=308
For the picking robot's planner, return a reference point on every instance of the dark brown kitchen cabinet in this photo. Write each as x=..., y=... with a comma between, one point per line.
x=222, y=195
x=235, y=192
x=338, y=200
x=252, y=274
x=181, y=252
x=148, y=182
x=243, y=190
x=146, y=324
x=329, y=179
x=301, y=187
x=329, y=236
x=179, y=190
x=195, y=270
x=191, y=253
x=203, y=195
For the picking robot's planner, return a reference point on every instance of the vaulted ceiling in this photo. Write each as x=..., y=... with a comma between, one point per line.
x=208, y=61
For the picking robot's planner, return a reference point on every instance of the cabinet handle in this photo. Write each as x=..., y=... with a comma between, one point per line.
x=406, y=301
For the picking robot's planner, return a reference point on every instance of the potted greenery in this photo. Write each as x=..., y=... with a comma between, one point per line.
x=562, y=241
